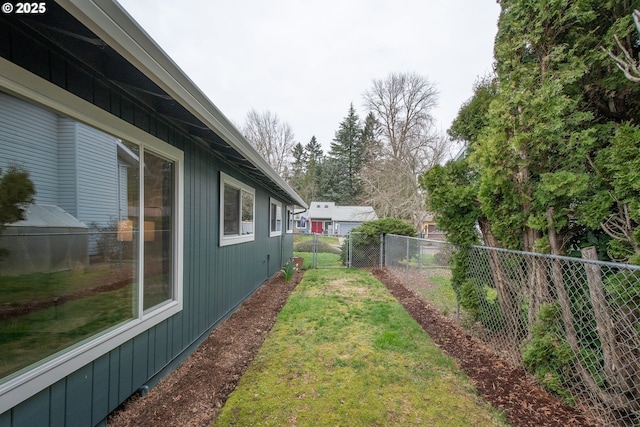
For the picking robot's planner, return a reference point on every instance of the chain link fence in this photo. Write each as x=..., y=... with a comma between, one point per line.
x=353, y=250
x=364, y=251
x=572, y=322
x=416, y=261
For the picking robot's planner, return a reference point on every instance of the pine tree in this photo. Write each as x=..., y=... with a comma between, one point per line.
x=347, y=155
x=371, y=144
x=298, y=167
x=313, y=156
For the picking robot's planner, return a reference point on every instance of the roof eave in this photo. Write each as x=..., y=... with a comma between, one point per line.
x=108, y=20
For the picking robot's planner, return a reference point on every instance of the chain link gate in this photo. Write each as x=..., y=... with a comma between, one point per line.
x=353, y=250
x=326, y=253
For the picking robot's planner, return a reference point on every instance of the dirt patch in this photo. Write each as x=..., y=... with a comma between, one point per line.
x=193, y=394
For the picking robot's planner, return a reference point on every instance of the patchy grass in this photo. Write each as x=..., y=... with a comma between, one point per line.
x=440, y=293
x=324, y=259
x=330, y=240
x=344, y=352
x=321, y=247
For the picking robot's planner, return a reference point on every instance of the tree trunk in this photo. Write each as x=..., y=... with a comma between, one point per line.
x=538, y=291
x=507, y=290
x=611, y=398
x=620, y=340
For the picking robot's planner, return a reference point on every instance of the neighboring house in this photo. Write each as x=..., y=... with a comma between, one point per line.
x=327, y=218
x=153, y=219
x=427, y=227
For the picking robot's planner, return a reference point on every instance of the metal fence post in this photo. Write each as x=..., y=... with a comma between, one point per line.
x=314, y=248
x=407, y=268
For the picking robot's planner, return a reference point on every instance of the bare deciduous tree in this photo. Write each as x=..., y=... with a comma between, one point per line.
x=272, y=138
x=402, y=105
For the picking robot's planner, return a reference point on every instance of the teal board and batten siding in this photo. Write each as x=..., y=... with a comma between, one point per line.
x=216, y=279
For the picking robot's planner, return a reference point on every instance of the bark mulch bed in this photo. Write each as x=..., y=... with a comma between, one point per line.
x=193, y=394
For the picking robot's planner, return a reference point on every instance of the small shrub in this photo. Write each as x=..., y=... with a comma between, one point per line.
x=288, y=271
x=364, y=251
x=443, y=256
x=548, y=355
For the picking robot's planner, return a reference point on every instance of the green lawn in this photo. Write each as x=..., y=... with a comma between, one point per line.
x=299, y=238
x=324, y=259
x=344, y=352
x=440, y=293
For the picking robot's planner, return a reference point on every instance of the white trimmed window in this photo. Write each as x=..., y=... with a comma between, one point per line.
x=237, y=211
x=290, y=219
x=104, y=238
x=275, y=218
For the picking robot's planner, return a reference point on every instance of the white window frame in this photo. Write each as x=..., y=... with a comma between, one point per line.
x=20, y=83
x=290, y=219
x=239, y=185
x=277, y=204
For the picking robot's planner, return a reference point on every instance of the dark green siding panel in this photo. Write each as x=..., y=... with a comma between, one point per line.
x=57, y=397
x=158, y=357
x=33, y=412
x=125, y=373
x=58, y=71
x=151, y=359
x=176, y=328
x=140, y=354
x=287, y=245
x=100, y=389
x=141, y=119
x=170, y=340
x=102, y=96
x=126, y=110
x=5, y=419
x=79, y=83
x=114, y=378
x=78, y=401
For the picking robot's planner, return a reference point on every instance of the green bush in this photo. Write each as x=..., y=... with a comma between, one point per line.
x=548, y=355
x=366, y=247
x=386, y=226
x=16, y=191
x=480, y=306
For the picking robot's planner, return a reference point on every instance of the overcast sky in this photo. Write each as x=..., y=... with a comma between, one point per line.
x=308, y=60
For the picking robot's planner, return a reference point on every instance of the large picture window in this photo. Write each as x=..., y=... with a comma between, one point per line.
x=98, y=253
x=237, y=210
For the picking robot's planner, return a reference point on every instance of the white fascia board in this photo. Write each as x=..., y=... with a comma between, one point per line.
x=109, y=21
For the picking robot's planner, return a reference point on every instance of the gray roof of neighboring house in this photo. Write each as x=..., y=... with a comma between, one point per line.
x=329, y=210
x=48, y=216
x=168, y=87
